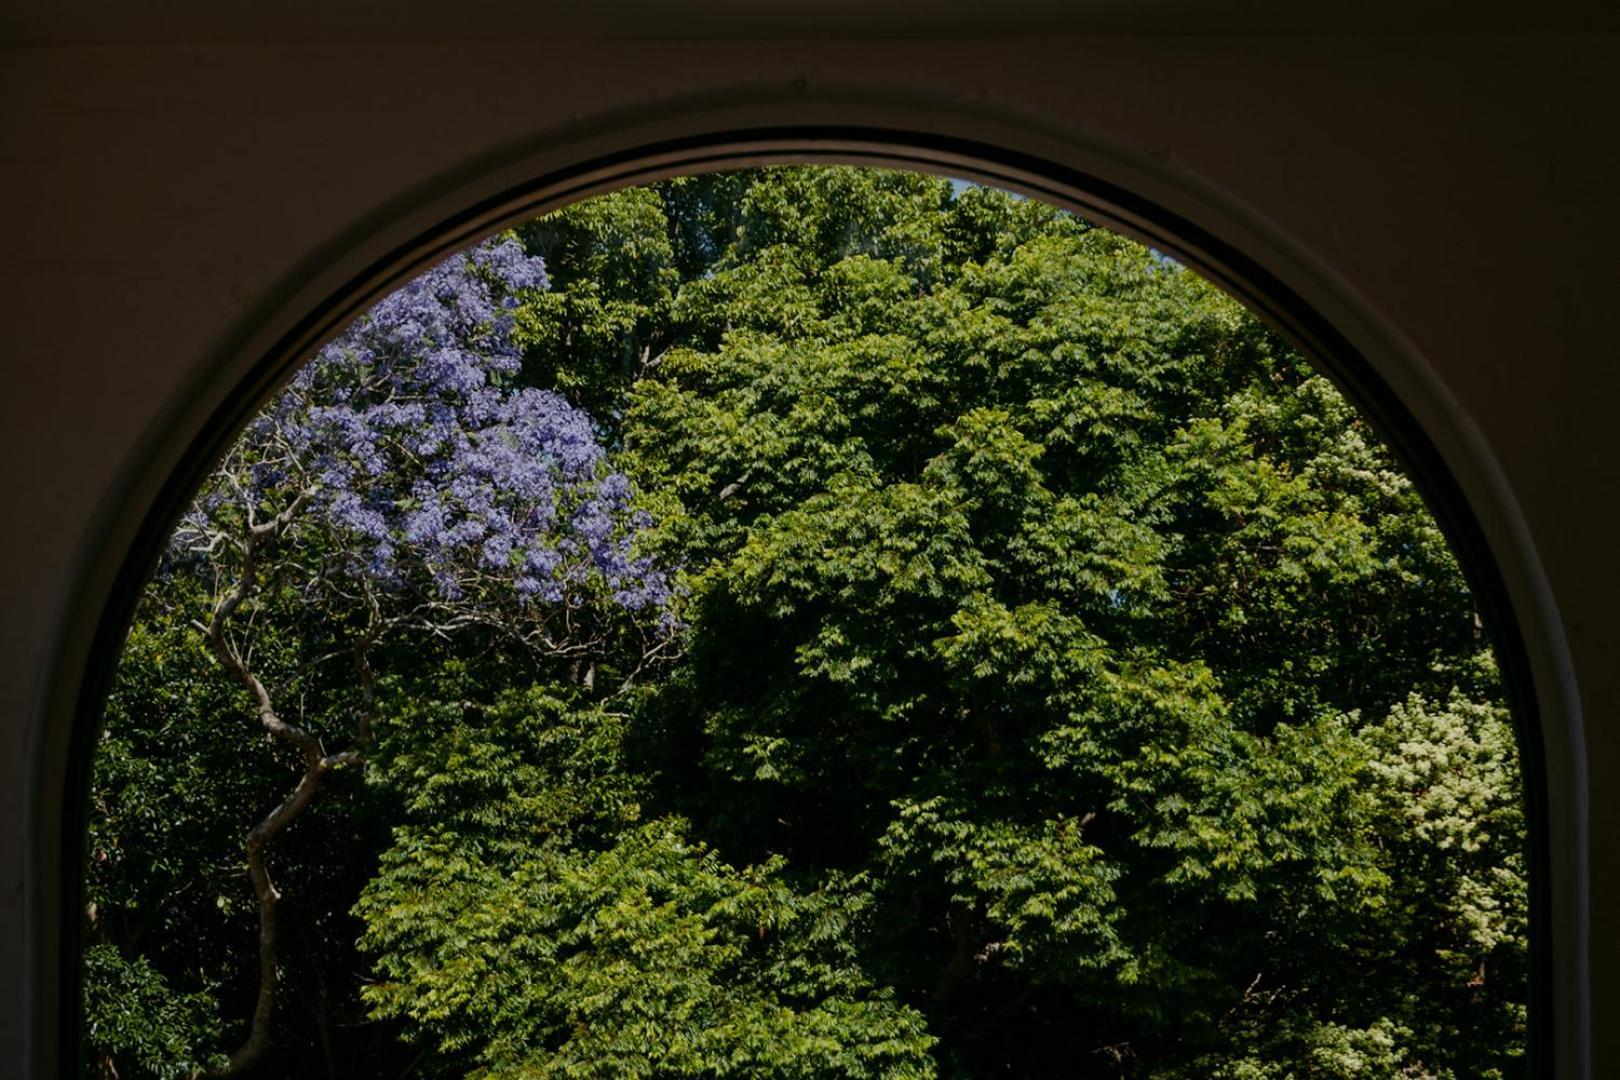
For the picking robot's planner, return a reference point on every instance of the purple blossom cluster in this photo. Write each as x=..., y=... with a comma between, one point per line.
x=411, y=442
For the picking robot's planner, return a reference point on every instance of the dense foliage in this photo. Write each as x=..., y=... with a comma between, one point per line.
x=850, y=625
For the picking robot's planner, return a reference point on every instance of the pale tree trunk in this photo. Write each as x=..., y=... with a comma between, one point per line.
x=317, y=765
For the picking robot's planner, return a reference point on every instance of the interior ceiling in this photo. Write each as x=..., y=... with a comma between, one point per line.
x=118, y=21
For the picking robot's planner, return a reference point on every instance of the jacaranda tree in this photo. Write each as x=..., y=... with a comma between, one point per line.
x=401, y=488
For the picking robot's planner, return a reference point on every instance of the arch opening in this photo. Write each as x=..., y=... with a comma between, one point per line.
x=1097, y=201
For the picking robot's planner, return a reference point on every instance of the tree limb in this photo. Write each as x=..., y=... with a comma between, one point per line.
x=317, y=764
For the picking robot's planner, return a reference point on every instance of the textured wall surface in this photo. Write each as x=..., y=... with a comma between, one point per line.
x=176, y=201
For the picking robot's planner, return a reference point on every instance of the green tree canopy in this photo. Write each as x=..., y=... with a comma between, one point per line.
x=1067, y=682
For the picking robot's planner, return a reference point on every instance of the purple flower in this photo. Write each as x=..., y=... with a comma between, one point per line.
x=425, y=463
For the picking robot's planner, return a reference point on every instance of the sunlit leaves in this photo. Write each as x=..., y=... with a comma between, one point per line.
x=1068, y=681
